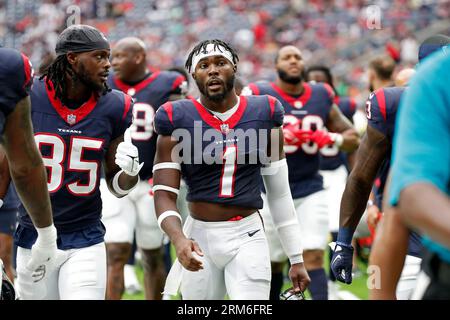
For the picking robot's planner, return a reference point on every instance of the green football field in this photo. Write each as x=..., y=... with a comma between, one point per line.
x=356, y=290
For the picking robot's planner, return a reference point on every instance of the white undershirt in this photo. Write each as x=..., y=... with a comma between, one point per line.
x=225, y=115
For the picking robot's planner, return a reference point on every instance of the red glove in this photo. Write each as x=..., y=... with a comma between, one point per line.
x=294, y=136
x=322, y=138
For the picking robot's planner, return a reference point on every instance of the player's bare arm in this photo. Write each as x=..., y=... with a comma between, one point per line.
x=165, y=204
x=427, y=208
x=369, y=157
x=337, y=122
x=125, y=181
x=26, y=167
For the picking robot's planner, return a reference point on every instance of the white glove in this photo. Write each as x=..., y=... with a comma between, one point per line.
x=45, y=255
x=1, y=203
x=127, y=155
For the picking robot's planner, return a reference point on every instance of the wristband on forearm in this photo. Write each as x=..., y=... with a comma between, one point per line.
x=345, y=236
x=47, y=235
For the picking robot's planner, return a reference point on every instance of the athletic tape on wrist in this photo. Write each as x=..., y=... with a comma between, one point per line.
x=165, y=188
x=116, y=187
x=166, y=165
x=166, y=214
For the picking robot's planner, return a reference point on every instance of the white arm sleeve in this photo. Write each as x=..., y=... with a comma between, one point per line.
x=282, y=209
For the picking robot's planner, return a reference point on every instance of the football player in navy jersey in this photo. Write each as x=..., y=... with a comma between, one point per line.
x=373, y=157
x=134, y=213
x=79, y=123
x=222, y=247
x=25, y=163
x=310, y=113
x=373, y=154
x=396, y=251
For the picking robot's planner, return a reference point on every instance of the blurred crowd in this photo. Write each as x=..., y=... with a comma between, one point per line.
x=336, y=33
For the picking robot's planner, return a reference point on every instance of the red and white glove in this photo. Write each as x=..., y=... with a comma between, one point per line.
x=294, y=136
x=324, y=138
x=127, y=155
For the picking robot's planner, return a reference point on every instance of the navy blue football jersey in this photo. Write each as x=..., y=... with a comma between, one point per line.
x=312, y=107
x=73, y=144
x=331, y=158
x=16, y=76
x=222, y=159
x=381, y=112
x=148, y=95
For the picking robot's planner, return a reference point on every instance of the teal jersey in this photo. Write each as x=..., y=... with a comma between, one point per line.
x=421, y=150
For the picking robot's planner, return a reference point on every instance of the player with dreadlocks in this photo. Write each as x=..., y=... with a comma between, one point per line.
x=57, y=72
x=79, y=124
x=230, y=252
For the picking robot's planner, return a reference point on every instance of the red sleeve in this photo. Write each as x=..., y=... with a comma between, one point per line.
x=254, y=88
x=126, y=109
x=178, y=81
x=28, y=70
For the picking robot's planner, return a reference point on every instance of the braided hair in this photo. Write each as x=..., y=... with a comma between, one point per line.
x=56, y=74
x=202, y=47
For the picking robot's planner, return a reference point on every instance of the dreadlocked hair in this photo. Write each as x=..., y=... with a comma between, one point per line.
x=56, y=74
x=202, y=47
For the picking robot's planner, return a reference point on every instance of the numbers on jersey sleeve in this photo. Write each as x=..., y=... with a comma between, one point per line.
x=55, y=162
x=228, y=175
x=368, y=109
x=310, y=122
x=142, y=127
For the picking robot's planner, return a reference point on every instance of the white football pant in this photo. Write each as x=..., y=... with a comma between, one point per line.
x=408, y=279
x=81, y=277
x=236, y=261
x=135, y=212
x=334, y=183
